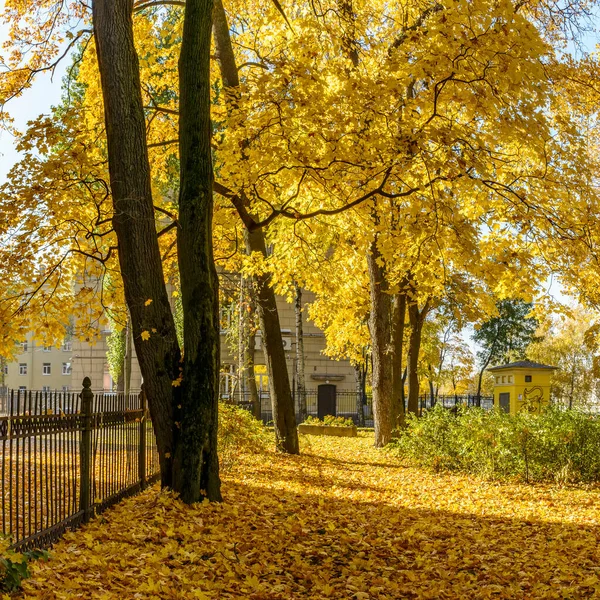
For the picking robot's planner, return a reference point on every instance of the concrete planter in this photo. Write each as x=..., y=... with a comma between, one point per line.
x=327, y=430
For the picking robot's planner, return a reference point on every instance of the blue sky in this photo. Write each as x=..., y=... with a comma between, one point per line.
x=35, y=101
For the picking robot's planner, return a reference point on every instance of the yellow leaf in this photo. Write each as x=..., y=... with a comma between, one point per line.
x=145, y=335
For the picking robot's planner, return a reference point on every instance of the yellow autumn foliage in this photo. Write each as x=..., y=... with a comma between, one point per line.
x=341, y=521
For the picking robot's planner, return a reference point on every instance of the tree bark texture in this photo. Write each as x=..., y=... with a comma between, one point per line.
x=133, y=220
x=185, y=416
x=282, y=402
x=380, y=330
x=197, y=464
x=279, y=382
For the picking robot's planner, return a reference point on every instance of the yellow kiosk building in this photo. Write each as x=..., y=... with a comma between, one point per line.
x=522, y=385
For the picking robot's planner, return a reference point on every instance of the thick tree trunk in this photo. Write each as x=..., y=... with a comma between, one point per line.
x=196, y=461
x=184, y=416
x=300, y=370
x=133, y=219
x=380, y=329
x=279, y=382
x=284, y=417
x=398, y=317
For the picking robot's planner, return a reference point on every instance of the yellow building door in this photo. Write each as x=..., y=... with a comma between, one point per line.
x=504, y=399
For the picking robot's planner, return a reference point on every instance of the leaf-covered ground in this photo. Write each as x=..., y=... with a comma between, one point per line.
x=342, y=520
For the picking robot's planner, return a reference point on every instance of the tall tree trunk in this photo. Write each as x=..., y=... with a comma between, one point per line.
x=197, y=464
x=398, y=317
x=417, y=318
x=284, y=416
x=300, y=371
x=379, y=327
x=133, y=220
x=280, y=390
x=185, y=415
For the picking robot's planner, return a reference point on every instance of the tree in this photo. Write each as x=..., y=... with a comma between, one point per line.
x=505, y=337
x=182, y=391
x=416, y=151
x=571, y=344
x=284, y=417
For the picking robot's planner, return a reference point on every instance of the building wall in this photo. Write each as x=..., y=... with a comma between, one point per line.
x=34, y=357
x=319, y=369
x=89, y=360
x=528, y=395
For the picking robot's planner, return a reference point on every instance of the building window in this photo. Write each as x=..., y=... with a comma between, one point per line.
x=24, y=346
x=503, y=378
x=46, y=368
x=66, y=370
x=66, y=388
x=497, y=378
x=510, y=379
x=22, y=388
x=47, y=348
x=22, y=368
x=46, y=389
x=527, y=378
x=67, y=346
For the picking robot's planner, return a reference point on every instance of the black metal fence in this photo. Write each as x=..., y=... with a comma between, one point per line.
x=426, y=401
x=67, y=456
x=347, y=404
x=350, y=404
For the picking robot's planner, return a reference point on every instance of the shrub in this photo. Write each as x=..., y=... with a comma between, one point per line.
x=239, y=433
x=330, y=420
x=14, y=567
x=556, y=445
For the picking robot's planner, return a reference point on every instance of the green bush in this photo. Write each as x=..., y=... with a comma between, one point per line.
x=14, y=567
x=556, y=445
x=239, y=433
x=330, y=420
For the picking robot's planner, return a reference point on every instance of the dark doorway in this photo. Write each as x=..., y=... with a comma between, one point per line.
x=326, y=400
x=505, y=402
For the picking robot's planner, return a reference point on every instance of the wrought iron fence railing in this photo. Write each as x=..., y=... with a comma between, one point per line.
x=67, y=456
x=427, y=401
x=350, y=404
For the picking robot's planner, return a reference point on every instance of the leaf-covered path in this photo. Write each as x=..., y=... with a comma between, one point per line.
x=342, y=520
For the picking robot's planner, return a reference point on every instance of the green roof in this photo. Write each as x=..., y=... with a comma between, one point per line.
x=524, y=364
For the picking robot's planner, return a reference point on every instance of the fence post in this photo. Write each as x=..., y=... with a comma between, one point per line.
x=142, y=452
x=85, y=450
